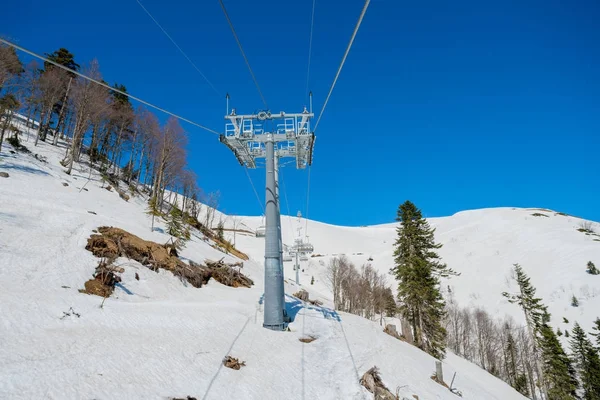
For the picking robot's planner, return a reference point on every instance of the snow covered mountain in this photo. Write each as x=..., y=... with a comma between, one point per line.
x=483, y=245
x=157, y=338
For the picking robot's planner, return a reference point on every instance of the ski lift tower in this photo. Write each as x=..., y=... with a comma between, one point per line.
x=269, y=136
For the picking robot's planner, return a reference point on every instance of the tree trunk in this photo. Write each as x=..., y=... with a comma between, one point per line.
x=61, y=114
x=40, y=126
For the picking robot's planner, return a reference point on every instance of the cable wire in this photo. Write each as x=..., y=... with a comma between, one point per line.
x=262, y=207
x=31, y=53
x=362, y=14
x=307, y=202
x=312, y=23
x=237, y=39
x=286, y=202
x=178, y=48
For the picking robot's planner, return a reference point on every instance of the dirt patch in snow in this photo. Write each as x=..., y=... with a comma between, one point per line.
x=233, y=363
x=308, y=339
x=371, y=380
x=111, y=243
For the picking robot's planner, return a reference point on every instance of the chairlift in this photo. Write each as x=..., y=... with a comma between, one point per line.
x=260, y=231
x=303, y=257
x=287, y=257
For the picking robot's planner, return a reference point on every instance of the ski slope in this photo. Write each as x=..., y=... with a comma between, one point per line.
x=157, y=338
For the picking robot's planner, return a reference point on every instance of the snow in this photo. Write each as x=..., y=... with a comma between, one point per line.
x=158, y=338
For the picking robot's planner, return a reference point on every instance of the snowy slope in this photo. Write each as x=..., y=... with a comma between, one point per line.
x=157, y=337
x=482, y=245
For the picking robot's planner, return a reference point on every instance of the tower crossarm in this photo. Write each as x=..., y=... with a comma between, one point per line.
x=245, y=135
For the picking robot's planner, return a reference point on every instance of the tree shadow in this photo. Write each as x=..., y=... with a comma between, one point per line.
x=293, y=306
x=23, y=168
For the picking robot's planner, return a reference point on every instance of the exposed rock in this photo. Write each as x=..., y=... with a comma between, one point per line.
x=4, y=174
x=65, y=184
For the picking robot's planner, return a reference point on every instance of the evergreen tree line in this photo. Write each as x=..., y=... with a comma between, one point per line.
x=101, y=127
x=557, y=375
x=361, y=291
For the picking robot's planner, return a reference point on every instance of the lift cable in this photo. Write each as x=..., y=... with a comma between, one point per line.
x=262, y=207
x=237, y=39
x=178, y=48
x=358, y=23
x=312, y=23
x=362, y=14
x=108, y=87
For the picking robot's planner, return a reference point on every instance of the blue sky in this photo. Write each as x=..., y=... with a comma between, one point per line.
x=453, y=105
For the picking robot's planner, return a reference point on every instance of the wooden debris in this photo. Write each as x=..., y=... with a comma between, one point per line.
x=186, y=398
x=317, y=303
x=302, y=295
x=371, y=380
x=104, y=281
x=112, y=243
x=233, y=363
x=308, y=339
x=391, y=330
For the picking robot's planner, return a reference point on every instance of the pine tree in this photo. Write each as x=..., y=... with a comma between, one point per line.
x=312, y=280
x=535, y=314
x=587, y=363
x=220, y=233
x=559, y=373
x=565, y=321
x=153, y=210
x=391, y=308
x=418, y=269
x=596, y=334
x=574, y=301
x=591, y=269
x=558, y=332
x=532, y=306
x=174, y=223
x=63, y=57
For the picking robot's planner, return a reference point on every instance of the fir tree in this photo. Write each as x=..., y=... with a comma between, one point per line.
x=536, y=315
x=174, y=223
x=391, y=308
x=559, y=373
x=591, y=269
x=574, y=301
x=559, y=332
x=596, y=332
x=63, y=57
x=153, y=210
x=532, y=306
x=587, y=363
x=312, y=280
x=220, y=233
x=565, y=321
x=418, y=269
x=510, y=352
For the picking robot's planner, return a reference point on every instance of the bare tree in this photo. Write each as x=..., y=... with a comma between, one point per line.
x=85, y=93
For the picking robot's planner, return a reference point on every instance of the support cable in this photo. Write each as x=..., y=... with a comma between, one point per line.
x=237, y=39
x=178, y=48
x=312, y=23
x=362, y=14
x=31, y=53
x=262, y=207
x=307, y=203
x=286, y=202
